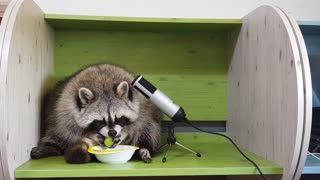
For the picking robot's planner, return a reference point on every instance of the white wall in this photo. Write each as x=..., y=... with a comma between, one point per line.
x=302, y=10
x=4, y=1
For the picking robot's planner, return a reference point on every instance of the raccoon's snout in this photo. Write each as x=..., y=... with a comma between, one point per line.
x=112, y=133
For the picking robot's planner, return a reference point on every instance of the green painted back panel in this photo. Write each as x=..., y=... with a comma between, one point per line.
x=218, y=158
x=185, y=58
x=191, y=67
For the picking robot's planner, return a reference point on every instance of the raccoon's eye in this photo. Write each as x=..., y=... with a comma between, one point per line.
x=96, y=125
x=122, y=121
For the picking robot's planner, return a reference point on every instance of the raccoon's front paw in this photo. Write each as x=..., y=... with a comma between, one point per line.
x=116, y=140
x=145, y=155
x=77, y=154
x=99, y=139
x=44, y=151
x=36, y=153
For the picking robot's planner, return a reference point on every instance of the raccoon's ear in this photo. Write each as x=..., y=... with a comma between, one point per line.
x=86, y=96
x=122, y=89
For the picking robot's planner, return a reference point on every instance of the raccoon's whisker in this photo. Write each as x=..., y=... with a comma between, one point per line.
x=99, y=143
x=101, y=134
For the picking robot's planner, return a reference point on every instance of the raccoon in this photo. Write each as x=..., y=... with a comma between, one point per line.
x=94, y=103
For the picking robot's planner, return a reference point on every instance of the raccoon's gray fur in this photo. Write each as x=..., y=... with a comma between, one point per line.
x=92, y=104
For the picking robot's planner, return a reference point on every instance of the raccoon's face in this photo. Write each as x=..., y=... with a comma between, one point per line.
x=108, y=114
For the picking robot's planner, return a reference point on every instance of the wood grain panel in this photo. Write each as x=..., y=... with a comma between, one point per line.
x=307, y=95
x=265, y=89
x=4, y=171
x=26, y=65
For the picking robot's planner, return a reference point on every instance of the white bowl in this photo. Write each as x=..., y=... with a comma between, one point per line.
x=117, y=155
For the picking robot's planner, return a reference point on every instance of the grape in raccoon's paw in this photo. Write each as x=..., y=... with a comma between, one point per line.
x=145, y=155
x=77, y=155
x=109, y=142
x=112, y=142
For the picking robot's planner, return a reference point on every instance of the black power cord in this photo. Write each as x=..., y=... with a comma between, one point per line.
x=234, y=144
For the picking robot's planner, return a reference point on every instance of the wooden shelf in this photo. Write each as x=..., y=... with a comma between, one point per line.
x=140, y=24
x=218, y=158
x=251, y=72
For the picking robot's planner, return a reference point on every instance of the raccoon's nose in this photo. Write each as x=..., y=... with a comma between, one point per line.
x=112, y=133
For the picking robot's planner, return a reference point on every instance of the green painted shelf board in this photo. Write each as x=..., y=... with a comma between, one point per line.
x=218, y=158
x=140, y=24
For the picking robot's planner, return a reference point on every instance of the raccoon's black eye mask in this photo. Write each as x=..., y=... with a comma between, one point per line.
x=97, y=125
x=122, y=121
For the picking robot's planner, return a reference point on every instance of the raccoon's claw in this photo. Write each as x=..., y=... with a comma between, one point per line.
x=147, y=160
x=145, y=155
x=116, y=140
x=100, y=139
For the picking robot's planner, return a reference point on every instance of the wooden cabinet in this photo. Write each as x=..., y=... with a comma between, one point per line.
x=253, y=73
